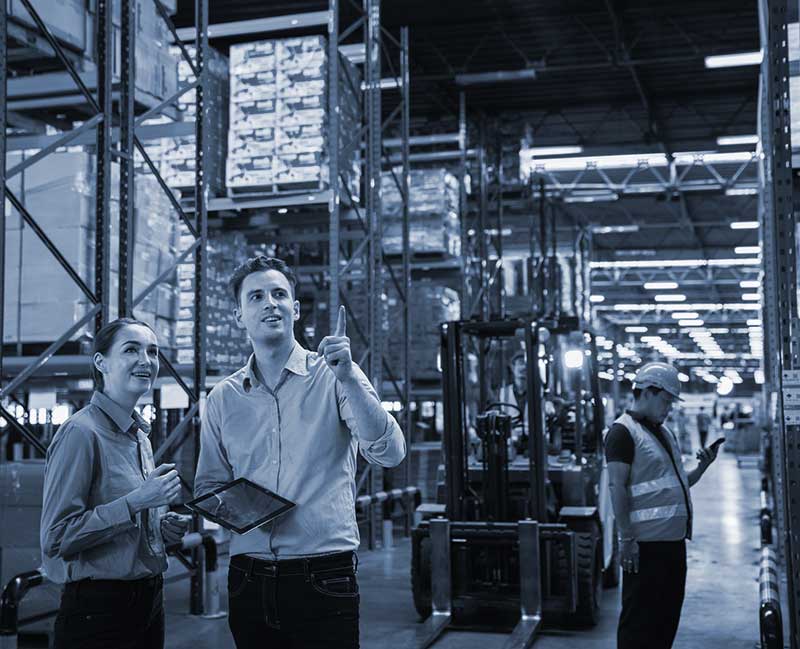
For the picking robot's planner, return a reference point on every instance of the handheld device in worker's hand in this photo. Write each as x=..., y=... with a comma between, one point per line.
x=717, y=443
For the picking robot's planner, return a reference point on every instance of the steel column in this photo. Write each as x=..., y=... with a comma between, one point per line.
x=406, y=192
x=334, y=206
x=463, y=209
x=127, y=173
x=780, y=270
x=3, y=61
x=201, y=226
x=104, y=58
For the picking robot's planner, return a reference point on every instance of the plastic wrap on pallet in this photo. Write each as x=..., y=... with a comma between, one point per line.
x=277, y=140
x=434, y=226
x=41, y=300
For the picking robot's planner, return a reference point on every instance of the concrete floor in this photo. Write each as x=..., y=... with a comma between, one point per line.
x=721, y=608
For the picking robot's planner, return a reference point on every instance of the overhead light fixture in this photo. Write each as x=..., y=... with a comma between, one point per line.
x=751, y=297
x=591, y=196
x=597, y=298
x=734, y=140
x=691, y=323
x=498, y=76
x=700, y=306
x=683, y=378
x=670, y=297
x=660, y=286
x=734, y=60
x=719, y=330
x=614, y=229
x=725, y=386
x=747, y=250
x=744, y=225
x=755, y=322
x=758, y=376
x=573, y=358
x=532, y=152
x=741, y=191
x=685, y=315
x=750, y=283
x=676, y=263
x=636, y=330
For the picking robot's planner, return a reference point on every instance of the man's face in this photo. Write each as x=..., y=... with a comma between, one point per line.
x=658, y=405
x=267, y=308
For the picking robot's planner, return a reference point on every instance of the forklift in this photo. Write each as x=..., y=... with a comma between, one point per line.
x=522, y=530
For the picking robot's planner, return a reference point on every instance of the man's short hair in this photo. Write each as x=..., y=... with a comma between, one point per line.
x=255, y=265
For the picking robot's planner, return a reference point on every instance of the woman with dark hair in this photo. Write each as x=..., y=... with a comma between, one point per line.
x=104, y=517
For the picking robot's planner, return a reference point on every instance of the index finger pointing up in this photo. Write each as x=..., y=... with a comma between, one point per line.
x=341, y=323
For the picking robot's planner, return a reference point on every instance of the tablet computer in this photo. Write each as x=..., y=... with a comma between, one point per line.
x=240, y=505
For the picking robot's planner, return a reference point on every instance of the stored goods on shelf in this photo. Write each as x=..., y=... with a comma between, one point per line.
x=434, y=227
x=41, y=300
x=278, y=116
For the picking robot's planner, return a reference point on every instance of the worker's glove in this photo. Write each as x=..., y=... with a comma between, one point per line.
x=629, y=555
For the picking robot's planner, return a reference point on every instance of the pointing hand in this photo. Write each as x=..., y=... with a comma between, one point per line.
x=335, y=349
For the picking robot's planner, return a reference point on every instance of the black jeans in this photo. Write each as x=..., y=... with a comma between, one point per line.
x=99, y=614
x=653, y=598
x=309, y=603
x=703, y=437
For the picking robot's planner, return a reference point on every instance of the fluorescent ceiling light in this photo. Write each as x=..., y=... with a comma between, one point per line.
x=691, y=323
x=650, y=339
x=683, y=378
x=498, y=76
x=597, y=298
x=669, y=297
x=676, y=263
x=614, y=229
x=750, y=283
x=733, y=140
x=755, y=322
x=710, y=378
x=751, y=296
x=702, y=306
x=734, y=60
x=550, y=150
x=741, y=191
x=747, y=250
x=719, y=330
x=659, y=286
x=744, y=225
x=725, y=386
x=758, y=376
x=683, y=315
x=635, y=330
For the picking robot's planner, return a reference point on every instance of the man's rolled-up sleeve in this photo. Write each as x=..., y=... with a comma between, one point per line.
x=213, y=467
x=389, y=449
x=68, y=524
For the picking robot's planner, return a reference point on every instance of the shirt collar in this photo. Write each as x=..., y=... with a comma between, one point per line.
x=116, y=414
x=643, y=420
x=297, y=363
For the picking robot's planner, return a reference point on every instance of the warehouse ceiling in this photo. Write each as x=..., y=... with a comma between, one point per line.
x=612, y=77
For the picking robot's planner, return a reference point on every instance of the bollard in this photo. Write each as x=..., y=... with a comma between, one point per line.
x=769, y=611
x=12, y=595
x=212, y=607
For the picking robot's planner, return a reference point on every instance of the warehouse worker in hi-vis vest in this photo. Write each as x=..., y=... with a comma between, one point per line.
x=653, y=509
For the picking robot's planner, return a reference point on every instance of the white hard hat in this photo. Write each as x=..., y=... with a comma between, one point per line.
x=658, y=375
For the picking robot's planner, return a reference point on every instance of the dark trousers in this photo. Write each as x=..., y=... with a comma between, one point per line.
x=99, y=614
x=309, y=603
x=652, y=599
x=703, y=437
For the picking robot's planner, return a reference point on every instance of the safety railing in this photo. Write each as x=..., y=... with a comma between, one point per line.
x=15, y=590
x=407, y=499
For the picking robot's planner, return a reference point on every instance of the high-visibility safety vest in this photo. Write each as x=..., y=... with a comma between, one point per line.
x=658, y=487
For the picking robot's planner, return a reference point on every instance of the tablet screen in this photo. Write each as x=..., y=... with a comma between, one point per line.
x=240, y=505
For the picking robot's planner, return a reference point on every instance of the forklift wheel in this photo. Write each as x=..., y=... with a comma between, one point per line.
x=611, y=575
x=421, y=576
x=590, y=577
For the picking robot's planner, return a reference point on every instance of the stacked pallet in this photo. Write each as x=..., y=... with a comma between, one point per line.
x=430, y=305
x=227, y=347
x=278, y=116
x=177, y=154
x=434, y=225
x=41, y=300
